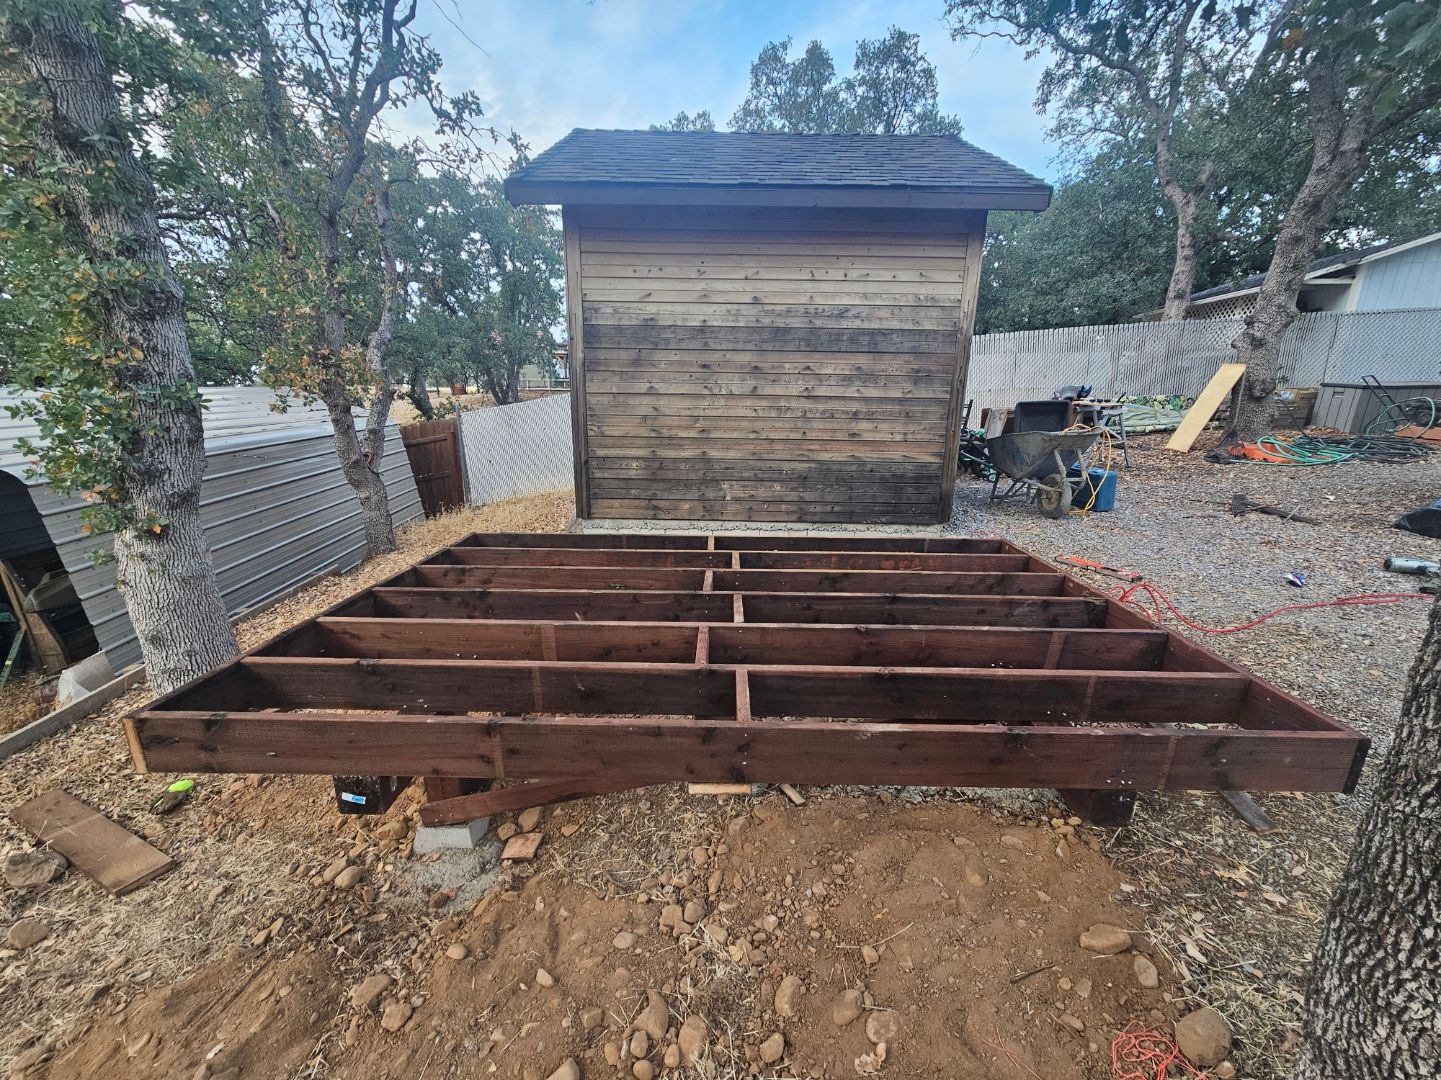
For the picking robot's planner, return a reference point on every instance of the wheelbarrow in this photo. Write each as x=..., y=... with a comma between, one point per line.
x=1037, y=463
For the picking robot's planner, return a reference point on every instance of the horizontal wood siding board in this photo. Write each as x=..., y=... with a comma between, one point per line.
x=667, y=448
x=806, y=752
x=760, y=512
x=803, y=337
x=822, y=339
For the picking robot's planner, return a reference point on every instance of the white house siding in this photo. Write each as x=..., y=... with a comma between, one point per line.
x=1405, y=279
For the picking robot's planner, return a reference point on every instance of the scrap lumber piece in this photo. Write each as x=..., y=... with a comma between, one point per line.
x=115, y=858
x=1200, y=413
x=795, y=797
x=454, y=811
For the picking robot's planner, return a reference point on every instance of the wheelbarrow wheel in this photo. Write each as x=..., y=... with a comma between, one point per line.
x=1054, y=496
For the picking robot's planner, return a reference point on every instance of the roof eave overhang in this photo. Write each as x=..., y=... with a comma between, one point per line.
x=527, y=192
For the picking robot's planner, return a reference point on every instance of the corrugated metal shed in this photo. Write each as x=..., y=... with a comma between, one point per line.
x=275, y=506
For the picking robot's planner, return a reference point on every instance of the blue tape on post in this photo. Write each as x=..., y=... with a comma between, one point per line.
x=359, y=800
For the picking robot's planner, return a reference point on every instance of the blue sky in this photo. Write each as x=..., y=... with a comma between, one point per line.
x=545, y=66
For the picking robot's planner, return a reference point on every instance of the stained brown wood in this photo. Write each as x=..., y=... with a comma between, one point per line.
x=453, y=811
x=792, y=658
x=114, y=858
x=433, y=448
x=750, y=336
x=655, y=750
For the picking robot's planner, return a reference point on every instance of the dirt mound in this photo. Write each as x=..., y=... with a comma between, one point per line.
x=930, y=914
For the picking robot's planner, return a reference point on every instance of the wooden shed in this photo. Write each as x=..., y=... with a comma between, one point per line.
x=770, y=327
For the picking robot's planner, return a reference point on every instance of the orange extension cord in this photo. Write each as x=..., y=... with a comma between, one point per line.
x=1161, y=603
x=1140, y=1054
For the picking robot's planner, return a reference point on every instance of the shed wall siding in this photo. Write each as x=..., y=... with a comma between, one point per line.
x=755, y=365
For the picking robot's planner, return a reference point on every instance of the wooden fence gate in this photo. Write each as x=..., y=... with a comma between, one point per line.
x=434, y=451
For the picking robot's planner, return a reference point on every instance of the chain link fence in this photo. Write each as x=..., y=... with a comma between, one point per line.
x=514, y=450
x=1128, y=359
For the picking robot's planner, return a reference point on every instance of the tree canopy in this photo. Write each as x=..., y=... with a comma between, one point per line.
x=892, y=90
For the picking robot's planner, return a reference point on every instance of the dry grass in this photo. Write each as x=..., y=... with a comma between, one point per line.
x=23, y=699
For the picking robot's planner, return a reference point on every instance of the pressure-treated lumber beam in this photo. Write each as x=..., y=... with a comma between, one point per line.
x=494, y=639
x=751, y=643
x=799, y=607
x=928, y=582
x=879, y=560
x=971, y=695
x=517, y=797
x=657, y=750
x=907, y=610
x=497, y=556
x=669, y=579
x=938, y=646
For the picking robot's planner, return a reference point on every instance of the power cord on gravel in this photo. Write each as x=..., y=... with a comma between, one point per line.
x=1160, y=603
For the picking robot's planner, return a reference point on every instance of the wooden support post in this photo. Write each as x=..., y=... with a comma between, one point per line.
x=438, y=788
x=1108, y=809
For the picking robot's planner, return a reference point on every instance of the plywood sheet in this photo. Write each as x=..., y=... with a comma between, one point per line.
x=1199, y=414
x=117, y=859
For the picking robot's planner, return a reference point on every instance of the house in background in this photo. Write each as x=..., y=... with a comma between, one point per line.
x=1397, y=275
x=770, y=327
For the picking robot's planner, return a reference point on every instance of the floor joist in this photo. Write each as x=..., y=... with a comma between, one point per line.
x=592, y=663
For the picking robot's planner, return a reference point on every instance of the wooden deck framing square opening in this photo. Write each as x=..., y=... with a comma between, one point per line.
x=622, y=660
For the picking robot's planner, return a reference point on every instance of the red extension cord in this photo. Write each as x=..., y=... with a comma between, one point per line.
x=1160, y=603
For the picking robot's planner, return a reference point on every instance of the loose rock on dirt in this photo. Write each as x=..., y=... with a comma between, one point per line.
x=1204, y=1036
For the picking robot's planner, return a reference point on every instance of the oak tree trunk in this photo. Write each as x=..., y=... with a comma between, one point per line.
x=1183, y=270
x=360, y=458
x=1340, y=144
x=419, y=394
x=1375, y=997
x=167, y=576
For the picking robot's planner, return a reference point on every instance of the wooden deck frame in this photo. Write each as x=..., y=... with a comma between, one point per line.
x=591, y=663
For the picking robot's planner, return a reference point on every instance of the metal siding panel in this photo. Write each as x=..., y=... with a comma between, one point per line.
x=249, y=501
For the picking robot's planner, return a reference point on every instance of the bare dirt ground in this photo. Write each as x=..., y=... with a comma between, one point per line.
x=751, y=917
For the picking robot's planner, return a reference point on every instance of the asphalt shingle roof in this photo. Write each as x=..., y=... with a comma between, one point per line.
x=590, y=165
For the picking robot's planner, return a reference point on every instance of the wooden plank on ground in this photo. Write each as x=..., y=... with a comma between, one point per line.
x=115, y=858
x=1199, y=414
